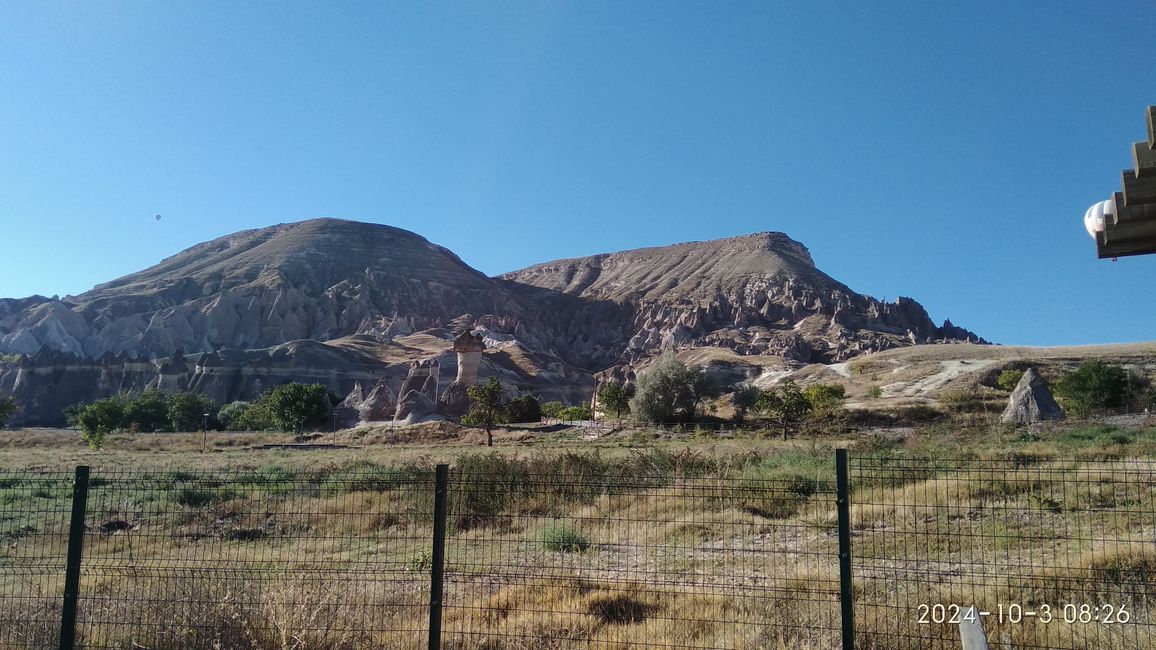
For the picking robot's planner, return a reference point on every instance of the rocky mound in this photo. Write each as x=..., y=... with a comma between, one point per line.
x=758, y=294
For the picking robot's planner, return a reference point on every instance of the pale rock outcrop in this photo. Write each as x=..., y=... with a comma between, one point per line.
x=1031, y=402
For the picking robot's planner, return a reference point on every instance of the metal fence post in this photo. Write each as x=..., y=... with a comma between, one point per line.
x=72, y=568
x=843, y=500
x=437, y=564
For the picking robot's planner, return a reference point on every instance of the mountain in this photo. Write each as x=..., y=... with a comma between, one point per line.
x=341, y=302
x=759, y=294
x=319, y=279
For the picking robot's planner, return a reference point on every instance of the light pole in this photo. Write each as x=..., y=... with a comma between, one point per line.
x=204, y=432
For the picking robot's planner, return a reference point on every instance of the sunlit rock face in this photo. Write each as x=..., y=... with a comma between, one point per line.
x=759, y=294
x=340, y=302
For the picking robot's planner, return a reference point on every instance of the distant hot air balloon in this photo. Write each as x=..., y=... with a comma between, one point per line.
x=1095, y=216
x=158, y=217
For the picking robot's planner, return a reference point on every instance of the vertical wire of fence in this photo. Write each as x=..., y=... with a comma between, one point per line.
x=256, y=560
x=34, y=520
x=1052, y=553
x=665, y=561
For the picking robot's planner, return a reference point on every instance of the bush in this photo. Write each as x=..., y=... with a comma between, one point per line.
x=101, y=418
x=552, y=409
x=1009, y=379
x=524, y=409
x=232, y=415
x=574, y=413
x=291, y=407
x=825, y=399
x=563, y=538
x=149, y=411
x=615, y=397
x=1093, y=386
x=7, y=410
x=665, y=392
x=874, y=392
x=186, y=412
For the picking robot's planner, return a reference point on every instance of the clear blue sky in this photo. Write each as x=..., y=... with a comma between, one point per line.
x=941, y=151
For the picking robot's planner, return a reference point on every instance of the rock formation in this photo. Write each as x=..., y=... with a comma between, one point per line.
x=1031, y=402
x=415, y=407
x=378, y=405
x=454, y=402
x=330, y=301
x=348, y=413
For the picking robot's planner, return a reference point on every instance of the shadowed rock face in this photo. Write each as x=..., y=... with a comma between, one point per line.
x=323, y=301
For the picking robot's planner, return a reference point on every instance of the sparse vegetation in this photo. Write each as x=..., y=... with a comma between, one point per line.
x=7, y=409
x=1009, y=379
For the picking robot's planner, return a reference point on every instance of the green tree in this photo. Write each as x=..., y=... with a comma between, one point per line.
x=1009, y=379
x=254, y=418
x=702, y=388
x=232, y=415
x=785, y=404
x=615, y=397
x=7, y=409
x=665, y=392
x=148, y=411
x=744, y=399
x=552, y=409
x=825, y=399
x=487, y=407
x=292, y=406
x=1094, y=385
x=523, y=409
x=187, y=411
x=575, y=413
x=100, y=418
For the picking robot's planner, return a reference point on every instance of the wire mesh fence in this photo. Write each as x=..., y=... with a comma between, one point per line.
x=1054, y=554
x=34, y=519
x=569, y=561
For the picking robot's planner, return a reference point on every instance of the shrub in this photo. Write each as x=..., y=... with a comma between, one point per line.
x=292, y=406
x=523, y=409
x=232, y=415
x=615, y=397
x=825, y=399
x=552, y=409
x=186, y=411
x=874, y=392
x=1009, y=379
x=1093, y=386
x=7, y=410
x=563, y=538
x=149, y=411
x=668, y=391
x=573, y=413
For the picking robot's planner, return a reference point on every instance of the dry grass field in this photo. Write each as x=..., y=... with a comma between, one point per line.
x=634, y=539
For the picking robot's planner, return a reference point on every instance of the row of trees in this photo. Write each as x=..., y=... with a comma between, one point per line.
x=671, y=391
x=289, y=407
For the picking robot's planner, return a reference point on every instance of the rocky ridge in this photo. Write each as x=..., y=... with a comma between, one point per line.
x=345, y=303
